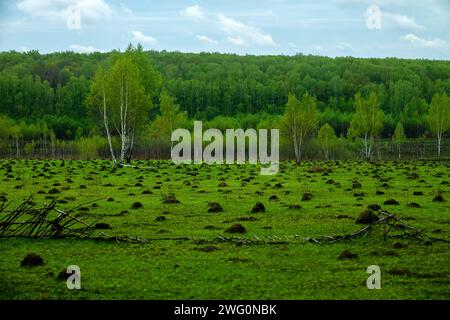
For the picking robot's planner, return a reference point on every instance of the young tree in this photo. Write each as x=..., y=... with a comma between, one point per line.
x=367, y=121
x=299, y=122
x=399, y=138
x=169, y=119
x=326, y=139
x=120, y=96
x=439, y=117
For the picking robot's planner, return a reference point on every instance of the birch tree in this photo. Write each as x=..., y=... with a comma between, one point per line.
x=120, y=97
x=326, y=139
x=399, y=138
x=439, y=118
x=299, y=122
x=98, y=97
x=367, y=121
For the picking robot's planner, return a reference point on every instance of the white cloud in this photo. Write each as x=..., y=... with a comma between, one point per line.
x=344, y=46
x=237, y=41
x=421, y=42
x=83, y=49
x=126, y=10
x=240, y=33
x=140, y=37
x=90, y=10
x=193, y=12
x=206, y=39
x=399, y=21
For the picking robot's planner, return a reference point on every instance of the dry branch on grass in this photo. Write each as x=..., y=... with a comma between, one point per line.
x=389, y=224
x=26, y=221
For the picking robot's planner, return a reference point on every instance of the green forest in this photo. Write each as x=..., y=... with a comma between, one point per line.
x=49, y=109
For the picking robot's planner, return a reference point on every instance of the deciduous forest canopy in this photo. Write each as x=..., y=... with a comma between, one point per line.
x=48, y=92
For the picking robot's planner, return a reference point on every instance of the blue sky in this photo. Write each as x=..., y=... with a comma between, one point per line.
x=408, y=28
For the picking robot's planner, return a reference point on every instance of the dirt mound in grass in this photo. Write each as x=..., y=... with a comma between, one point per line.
x=319, y=170
x=214, y=207
x=414, y=205
x=307, y=197
x=374, y=207
x=32, y=260
x=399, y=245
x=207, y=249
x=278, y=185
x=53, y=191
x=391, y=202
x=169, y=199
x=102, y=226
x=236, y=228
x=137, y=205
x=356, y=185
x=347, y=255
x=438, y=198
x=258, y=207
x=63, y=275
x=273, y=198
x=367, y=217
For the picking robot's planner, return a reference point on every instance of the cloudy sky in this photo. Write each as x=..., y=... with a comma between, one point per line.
x=403, y=28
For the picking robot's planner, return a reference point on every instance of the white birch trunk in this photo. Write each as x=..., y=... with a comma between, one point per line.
x=439, y=136
x=108, y=134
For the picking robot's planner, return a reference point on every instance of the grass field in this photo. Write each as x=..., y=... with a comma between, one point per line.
x=204, y=268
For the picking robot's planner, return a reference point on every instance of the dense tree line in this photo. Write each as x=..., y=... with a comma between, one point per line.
x=50, y=92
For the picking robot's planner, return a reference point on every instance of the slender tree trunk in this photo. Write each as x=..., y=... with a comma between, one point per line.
x=125, y=137
x=295, y=140
x=366, y=147
x=439, y=144
x=300, y=149
x=108, y=134
x=296, y=148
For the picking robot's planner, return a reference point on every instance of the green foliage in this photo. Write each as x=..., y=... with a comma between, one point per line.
x=123, y=97
x=327, y=139
x=169, y=119
x=399, y=137
x=299, y=121
x=439, y=114
x=367, y=121
x=399, y=134
x=223, y=90
x=209, y=84
x=90, y=147
x=439, y=117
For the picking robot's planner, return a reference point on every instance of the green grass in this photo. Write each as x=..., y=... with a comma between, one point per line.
x=177, y=269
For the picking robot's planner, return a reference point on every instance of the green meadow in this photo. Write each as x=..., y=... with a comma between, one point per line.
x=185, y=255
